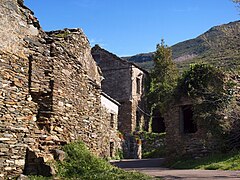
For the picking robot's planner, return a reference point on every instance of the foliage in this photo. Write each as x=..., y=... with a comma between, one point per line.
x=153, y=144
x=81, y=164
x=230, y=161
x=63, y=35
x=39, y=178
x=163, y=77
x=211, y=94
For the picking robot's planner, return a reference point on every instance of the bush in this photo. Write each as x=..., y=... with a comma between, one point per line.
x=81, y=164
x=153, y=145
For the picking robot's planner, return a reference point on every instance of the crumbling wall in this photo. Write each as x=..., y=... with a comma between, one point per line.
x=179, y=143
x=49, y=95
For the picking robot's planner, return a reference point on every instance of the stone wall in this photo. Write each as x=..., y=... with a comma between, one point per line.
x=202, y=141
x=180, y=144
x=110, y=109
x=50, y=93
x=120, y=82
x=17, y=114
x=117, y=74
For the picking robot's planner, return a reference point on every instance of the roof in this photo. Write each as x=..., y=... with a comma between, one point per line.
x=110, y=98
x=97, y=47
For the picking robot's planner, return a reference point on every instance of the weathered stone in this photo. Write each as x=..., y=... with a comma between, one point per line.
x=20, y=162
x=124, y=81
x=5, y=139
x=48, y=84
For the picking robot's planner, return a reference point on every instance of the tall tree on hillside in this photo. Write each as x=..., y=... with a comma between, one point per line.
x=163, y=77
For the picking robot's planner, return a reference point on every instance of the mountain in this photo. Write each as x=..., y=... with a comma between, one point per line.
x=219, y=46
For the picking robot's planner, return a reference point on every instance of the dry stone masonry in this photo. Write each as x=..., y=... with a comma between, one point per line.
x=125, y=82
x=50, y=93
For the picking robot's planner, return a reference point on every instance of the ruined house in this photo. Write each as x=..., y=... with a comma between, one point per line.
x=50, y=94
x=185, y=136
x=127, y=83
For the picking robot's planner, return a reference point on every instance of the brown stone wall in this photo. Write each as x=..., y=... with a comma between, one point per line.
x=117, y=74
x=125, y=117
x=49, y=93
x=112, y=133
x=18, y=129
x=16, y=23
x=120, y=82
x=180, y=144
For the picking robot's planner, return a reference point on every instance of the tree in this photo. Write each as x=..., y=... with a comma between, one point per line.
x=163, y=77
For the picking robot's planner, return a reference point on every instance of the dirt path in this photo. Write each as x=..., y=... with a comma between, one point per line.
x=152, y=168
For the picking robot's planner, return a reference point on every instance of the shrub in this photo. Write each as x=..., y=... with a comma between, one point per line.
x=81, y=164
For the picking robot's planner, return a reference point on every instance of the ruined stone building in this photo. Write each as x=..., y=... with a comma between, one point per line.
x=185, y=136
x=50, y=94
x=125, y=82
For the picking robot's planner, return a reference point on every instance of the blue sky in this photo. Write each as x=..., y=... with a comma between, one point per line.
x=128, y=27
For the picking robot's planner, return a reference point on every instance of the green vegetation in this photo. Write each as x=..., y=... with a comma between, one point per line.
x=211, y=93
x=229, y=161
x=163, y=78
x=39, y=178
x=153, y=144
x=81, y=164
x=63, y=35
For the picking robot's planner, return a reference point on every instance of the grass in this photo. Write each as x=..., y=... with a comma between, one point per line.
x=81, y=164
x=230, y=161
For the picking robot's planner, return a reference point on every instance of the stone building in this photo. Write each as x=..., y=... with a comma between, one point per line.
x=50, y=93
x=183, y=136
x=110, y=109
x=125, y=82
x=187, y=137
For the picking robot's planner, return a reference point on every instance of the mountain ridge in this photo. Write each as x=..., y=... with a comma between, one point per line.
x=221, y=43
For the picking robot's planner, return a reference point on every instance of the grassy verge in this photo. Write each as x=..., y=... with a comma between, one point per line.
x=229, y=161
x=81, y=164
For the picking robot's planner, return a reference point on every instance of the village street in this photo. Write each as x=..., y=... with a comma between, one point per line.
x=153, y=168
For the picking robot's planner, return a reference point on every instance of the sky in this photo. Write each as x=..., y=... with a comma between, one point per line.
x=129, y=27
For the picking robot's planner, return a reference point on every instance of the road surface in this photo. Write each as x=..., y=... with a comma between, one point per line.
x=153, y=168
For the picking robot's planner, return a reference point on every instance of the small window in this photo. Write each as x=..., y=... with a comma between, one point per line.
x=158, y=124
x=138, y=119
x=187, y=123
x=138, y=85
x=112, y=120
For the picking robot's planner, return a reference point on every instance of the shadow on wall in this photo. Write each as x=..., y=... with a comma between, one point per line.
x=44, y=98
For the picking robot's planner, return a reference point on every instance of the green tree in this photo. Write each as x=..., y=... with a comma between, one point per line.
x=163, y=77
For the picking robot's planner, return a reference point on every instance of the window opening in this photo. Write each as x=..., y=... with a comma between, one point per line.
x=189, y=126
x=138, y=85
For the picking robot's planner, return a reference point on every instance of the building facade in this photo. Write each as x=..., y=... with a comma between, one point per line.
x=125, y=82
x=50, y=94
